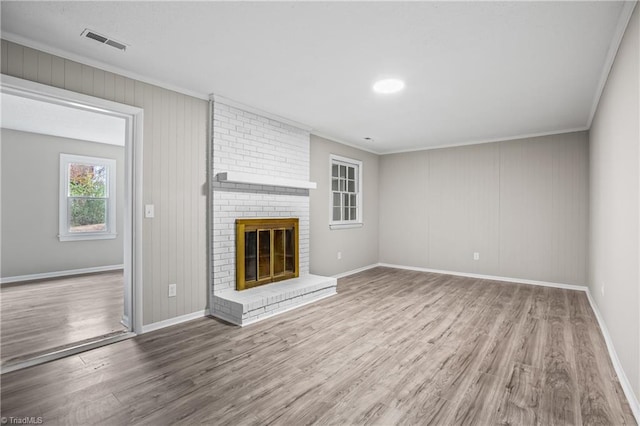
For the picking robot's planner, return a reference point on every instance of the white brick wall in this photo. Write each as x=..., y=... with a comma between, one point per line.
x=246, y=142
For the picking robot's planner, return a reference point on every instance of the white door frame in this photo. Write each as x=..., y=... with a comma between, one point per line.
x=133, y=209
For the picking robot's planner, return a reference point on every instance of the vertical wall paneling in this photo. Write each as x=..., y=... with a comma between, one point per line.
x=87, y=80
x=73, y=76
x=45, y=64
x=57, y=72
x=4, y=51
x=403, y=195
x=521, y=204
x=174, y=246
x=614, y=231
x=15, y=60
x=30, y=69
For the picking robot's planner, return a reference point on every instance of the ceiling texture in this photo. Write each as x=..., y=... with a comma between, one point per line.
x=474, y=71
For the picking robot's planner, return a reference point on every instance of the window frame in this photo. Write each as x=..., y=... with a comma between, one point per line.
x=63, y=229
x=350, y=162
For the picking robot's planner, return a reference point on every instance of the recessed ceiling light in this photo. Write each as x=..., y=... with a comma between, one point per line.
x=388, y=85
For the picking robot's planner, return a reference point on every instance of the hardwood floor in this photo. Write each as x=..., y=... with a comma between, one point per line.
x=393, y=347
x=39, y=316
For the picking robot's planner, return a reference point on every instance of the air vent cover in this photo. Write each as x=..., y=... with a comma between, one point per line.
x=93, y=35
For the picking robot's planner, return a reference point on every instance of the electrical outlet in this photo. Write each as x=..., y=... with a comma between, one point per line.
x=149, y=211
x=476, y=256
x=172, y=290
x=339, y=255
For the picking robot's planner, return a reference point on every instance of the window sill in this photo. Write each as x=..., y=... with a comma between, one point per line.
x=345, y=225
x=87, y=237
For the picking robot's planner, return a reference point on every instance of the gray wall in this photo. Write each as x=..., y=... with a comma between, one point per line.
x=30, y=203
x=521, y=204
x=359, y=246
x=615, y=213
x=174, y=156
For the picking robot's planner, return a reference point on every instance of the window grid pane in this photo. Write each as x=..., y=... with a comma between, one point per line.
x=344, y=187
x=87, y=214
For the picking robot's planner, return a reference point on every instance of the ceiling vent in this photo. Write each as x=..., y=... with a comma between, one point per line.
x=93, y=35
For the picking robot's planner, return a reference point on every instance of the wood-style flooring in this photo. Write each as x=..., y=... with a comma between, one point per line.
x=393, y=347
x=39, y=316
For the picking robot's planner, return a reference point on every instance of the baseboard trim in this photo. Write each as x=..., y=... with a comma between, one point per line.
x=56, y=274
x=174, y=321
x=355, y=271
x=617, y=366
x=489, y=277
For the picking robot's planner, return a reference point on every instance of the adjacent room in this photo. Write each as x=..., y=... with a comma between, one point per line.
x=320, y=213
x=62, y=271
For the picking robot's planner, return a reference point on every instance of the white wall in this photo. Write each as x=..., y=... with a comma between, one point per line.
x=30, y=205
x=359, y=246
x=521, y=204
x=174, y=149
x=614, y=209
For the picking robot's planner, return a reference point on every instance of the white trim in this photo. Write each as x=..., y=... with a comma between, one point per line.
x=55, y=274
x=349, y=162
x=134, y=210
x=452, y=145
x=331, y=138
x=483, y=141
x=174, y=321
x=355, y=271
x=489, y=277
x=617, y=366
x=248, y=108
x=63, y=204
x=346, y=225
x=253, y=179
x=623, y=22
x=98, y=64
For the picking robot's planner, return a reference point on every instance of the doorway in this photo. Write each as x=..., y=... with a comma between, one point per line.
x=71, y=279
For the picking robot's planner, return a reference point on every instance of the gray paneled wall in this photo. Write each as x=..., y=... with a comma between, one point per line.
x=614, y=267
x=175, y=128
x=358, y=246
x=522, y=205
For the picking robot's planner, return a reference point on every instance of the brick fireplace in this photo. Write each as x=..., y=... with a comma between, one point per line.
x=260, y=170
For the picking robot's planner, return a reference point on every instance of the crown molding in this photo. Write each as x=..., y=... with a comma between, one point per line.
x=483, y=141
x=623, y=22
x=98, y=64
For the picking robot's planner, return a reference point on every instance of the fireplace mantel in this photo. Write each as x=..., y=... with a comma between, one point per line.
x=255, y=179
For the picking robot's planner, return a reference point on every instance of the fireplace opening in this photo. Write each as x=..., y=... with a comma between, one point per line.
x=266, y=251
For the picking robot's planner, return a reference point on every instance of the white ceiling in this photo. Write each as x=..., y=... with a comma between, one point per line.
x=18, y=113
x=474, y=71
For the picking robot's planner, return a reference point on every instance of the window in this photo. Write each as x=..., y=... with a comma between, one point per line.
x=346, y=192
x=87, y=198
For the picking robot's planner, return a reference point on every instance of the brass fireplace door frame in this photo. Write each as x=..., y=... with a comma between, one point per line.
x=249, y=225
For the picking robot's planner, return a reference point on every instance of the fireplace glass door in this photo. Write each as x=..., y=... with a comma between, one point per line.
x=266, y=251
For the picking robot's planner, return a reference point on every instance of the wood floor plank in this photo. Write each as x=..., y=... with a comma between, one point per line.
x=393, y=347
x=40, y=316
x=520, y=402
